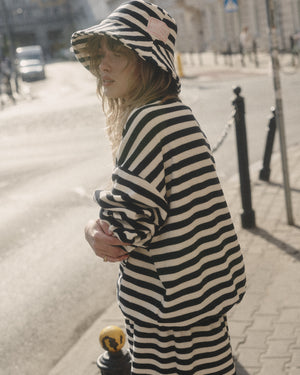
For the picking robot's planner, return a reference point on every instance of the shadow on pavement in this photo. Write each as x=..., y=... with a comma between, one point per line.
x=281, y=186
x=290, y=250
x=240, y=369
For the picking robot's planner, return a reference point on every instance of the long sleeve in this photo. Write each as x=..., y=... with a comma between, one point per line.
x=134, y=208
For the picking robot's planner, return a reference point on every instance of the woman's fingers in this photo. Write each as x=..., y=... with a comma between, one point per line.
x=104, y=244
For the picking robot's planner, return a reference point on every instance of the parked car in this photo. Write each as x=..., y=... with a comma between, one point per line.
x=30, y=63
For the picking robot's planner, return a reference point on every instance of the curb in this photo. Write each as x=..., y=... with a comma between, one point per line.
x=82, y=356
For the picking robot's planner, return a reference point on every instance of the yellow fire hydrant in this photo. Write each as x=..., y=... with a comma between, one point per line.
x=114, y=361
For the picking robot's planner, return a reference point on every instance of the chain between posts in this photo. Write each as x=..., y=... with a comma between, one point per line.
x=226, y=130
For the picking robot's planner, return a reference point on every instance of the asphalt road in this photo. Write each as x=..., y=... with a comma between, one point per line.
x=53, y=154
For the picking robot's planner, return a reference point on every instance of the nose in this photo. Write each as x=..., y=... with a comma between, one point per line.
x=104, y=65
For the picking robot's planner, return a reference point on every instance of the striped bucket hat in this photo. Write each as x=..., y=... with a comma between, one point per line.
x=140, y=25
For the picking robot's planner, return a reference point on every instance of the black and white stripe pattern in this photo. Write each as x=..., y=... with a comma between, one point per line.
x=132, y=24
x=202, y=349
x=185, y=265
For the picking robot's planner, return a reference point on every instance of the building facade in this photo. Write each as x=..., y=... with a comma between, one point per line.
x=203, y=24
x=27, y=22
x=207, y=25
x=222, y=28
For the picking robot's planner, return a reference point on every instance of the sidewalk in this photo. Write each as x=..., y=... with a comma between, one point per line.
x=194, y=65
x=265, y=327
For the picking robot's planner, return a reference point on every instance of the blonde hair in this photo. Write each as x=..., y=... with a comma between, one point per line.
x=152, y=84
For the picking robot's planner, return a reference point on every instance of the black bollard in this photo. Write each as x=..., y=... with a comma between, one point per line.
x=229, y=53
x=114, y=361
x=254, y=48
x=111, y=363
x=248, y=215
x=264, y=173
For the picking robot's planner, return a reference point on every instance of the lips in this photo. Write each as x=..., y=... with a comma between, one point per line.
x=107, y=81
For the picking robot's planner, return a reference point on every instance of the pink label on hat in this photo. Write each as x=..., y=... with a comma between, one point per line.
x=158, y=29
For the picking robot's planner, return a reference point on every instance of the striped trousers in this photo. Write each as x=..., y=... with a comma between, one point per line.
x=198, y=350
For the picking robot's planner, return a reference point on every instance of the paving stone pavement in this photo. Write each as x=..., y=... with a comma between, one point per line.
x=265, y=326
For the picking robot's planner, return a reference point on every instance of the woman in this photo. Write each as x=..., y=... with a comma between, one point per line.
x=165, y=219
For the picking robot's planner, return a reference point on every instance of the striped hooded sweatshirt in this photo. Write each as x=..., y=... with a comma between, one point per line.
x=185, y=264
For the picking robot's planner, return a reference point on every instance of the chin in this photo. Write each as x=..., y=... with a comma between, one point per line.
x=110, y=95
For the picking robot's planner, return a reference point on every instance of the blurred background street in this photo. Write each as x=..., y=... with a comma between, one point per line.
x=54, y=153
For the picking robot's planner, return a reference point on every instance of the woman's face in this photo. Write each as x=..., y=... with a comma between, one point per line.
x=118, y=71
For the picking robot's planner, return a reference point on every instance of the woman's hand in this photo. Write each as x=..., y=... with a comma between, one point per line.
x=104, y=244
